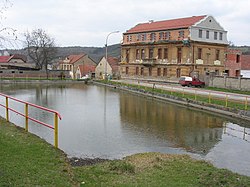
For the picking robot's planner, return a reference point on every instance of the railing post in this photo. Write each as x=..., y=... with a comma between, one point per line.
x=246, y=104
x=7, y=109
x=209, y=98
x=226, y=100
x=56, y=130
x=26, y=117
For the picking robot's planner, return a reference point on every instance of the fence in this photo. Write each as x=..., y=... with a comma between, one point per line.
x=27, y=117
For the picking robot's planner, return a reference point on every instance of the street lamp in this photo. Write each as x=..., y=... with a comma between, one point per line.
x=106, y=56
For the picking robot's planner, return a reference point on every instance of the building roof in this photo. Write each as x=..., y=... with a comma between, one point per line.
x=85, y=69
x=75, y=58
x=166, y=25
x=4, y=59
x=113, y=62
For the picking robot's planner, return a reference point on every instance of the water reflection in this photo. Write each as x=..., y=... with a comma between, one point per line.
x=103, y=122
x=195, y=131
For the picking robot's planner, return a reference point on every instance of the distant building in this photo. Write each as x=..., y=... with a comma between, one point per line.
x=16, y=61
x=78, y=65
x=192, y=46
x=245, y=67
x=112, y=67
x=233, y=62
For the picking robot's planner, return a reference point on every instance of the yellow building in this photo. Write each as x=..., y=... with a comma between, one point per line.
x=192, y=46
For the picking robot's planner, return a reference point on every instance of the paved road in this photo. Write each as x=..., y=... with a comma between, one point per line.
x=185, y=90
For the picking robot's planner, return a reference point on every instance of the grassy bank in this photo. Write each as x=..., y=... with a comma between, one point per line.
x=211, y=101
x=26, y=160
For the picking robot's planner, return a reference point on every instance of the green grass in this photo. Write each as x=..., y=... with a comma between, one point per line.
x=156, y=169
x=228, y=90
x=26, y=160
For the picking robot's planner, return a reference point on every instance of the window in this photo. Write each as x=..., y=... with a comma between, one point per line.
x=161, y=35
x=207, y=34
x=139, y=37
x=237, y=73
x=126, y=70
x=152, y=37
x=215, y=35
x=129, y=38
x=167, y=35
x=142, y=54
x=137, y=70
x=181, y=34
x=199, y=53
x=151, y=53
x=237, y=58
x=221, y=35
x=159, y=53
x=178, y=72
x=144, y=37
x=217, y=54
x=165, y=53
x=165, y=71
x=142, y=71
x=158, y=71
x=137, y=54
x=179, y=55
x=127, y=55
x=150, y=71
x=200, y=33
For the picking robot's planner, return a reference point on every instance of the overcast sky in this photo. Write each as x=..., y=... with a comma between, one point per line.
x=88, y=22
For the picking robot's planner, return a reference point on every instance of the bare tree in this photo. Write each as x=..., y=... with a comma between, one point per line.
x=7, y=34
x=41, y=47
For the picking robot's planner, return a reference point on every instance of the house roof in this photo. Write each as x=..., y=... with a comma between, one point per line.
x=113, y=62
x=4, y=59
x=166, y=24
x=75, y=58
x=85, y=69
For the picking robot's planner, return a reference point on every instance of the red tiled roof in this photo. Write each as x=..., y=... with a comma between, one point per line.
x=85, y=69
x=4, y=59
x=113, y=62
x=75, y=58
x=166, y=25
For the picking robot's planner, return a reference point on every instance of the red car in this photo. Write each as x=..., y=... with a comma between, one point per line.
x=191, y=81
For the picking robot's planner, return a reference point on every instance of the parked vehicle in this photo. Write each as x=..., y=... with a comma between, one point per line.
x=191, y=81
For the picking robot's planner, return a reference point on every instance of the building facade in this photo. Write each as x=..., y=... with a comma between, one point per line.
x=110, y=66
x=78, y=65
x=245, y=66
x=192, y=46
x=233, y=62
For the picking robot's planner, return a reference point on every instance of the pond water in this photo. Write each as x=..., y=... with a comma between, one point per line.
x=107, y=123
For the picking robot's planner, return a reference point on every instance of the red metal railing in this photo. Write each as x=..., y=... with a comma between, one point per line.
x=27, y=117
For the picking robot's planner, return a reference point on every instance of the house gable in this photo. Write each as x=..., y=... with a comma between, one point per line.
x=208, y=30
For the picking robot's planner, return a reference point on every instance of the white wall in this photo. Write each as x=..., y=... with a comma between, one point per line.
x=210, y=24
x=245, y=73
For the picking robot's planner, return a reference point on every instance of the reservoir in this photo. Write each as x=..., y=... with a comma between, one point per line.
x=103, y=122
